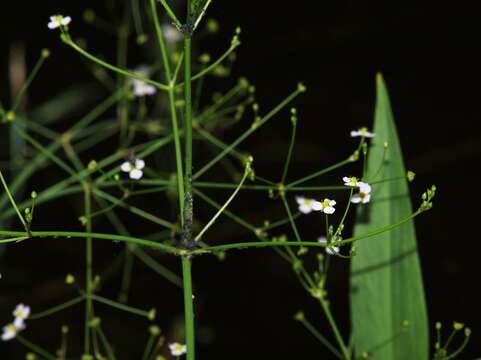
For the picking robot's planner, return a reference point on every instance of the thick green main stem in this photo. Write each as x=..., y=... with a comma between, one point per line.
x=188, y=307
x=172, y=109
x=188, y=205
x=188, y=200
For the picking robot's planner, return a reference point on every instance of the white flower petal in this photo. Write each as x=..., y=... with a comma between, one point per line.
x=366, y=198
x=305, y=209
x=332, y=202
x=356, y=199
x=52, y=25
x=126, y=166
x=329, y=210
x=66, y=20
x=136, y=174
x=316, y=205
x=355, y=133
x=322, y=239
x=364, y=187
x=139, y=164
x=346, y=179
x=19, y=323
x=300, y=199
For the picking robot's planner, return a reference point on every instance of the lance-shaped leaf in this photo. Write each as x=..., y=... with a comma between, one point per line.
x=386, y=282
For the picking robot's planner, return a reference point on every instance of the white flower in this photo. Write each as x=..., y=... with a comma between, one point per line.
x=177, y=349
x=21, y=313
x=364, y=132
x=171, y=34
x=351, y=181
x=330, y=249
x=364, y=194
x=141, y=88
x=134, y=168
x=57, y=21
x=11, y=330
x=327, y=206
x=307, y=205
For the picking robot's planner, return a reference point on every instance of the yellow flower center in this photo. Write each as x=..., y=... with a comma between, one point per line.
x=11, y=328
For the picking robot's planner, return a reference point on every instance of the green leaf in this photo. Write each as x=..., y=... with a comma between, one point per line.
x=386, y=281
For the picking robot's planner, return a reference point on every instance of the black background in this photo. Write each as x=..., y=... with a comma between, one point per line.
x=429, y=55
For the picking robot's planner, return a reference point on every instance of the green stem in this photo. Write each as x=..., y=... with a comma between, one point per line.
x=57, y=308
x=188, y=307
x=221, y=210
x=124, y=72
x=31, y=77
x=335, y=329
x=14, y=204
x=289, y=152
x=318, y=173
x=321, y=338
x=100, y=236
x=35, y=348
x=247, y=133
x=120, y=306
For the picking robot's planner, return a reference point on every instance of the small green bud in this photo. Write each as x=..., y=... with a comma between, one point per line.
x=92, y=166
x=159, y=357
x=302, y=251
x=353, y=251
x=297, y=265
x=299, y=316
x=33, y=194
x=30, y=356
x=365, y=355
x=69, y=279
x=142, y=39
x=458, y=326
x=89, y=16
x=220, y=255
x=204, y=58
x=301, y=87
x=10, y=116
x=152, y=313
x=87, y=357
x=251, y=89
x=406, y=324
x=243, y=83
x=83, y=220
x=410, y=175
x=117, y=177
x=255, y=107
x=95, y=322
x=154, y=330
x=467, y=332
x=45, y=53
x=212, y=25
x=438, y=325
x=65, y=329
x=238, y=30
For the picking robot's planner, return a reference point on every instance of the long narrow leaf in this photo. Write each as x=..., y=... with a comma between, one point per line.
x=386, y=281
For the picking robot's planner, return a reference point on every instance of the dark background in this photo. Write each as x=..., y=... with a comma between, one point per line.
x=429, y=55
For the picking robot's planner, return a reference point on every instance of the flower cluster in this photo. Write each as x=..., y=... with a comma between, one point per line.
x=364, y=194
x=134, y=168
x=362, y=132
x=177, y=349
x=330, y=248
x=20, y=313
x=307, y=205
x=141, y=88
x=58, y=21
